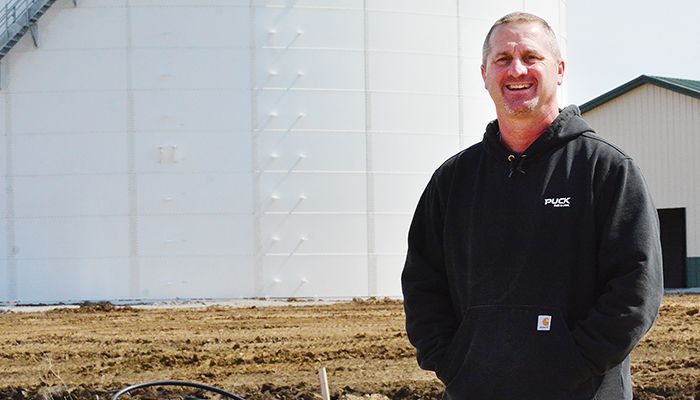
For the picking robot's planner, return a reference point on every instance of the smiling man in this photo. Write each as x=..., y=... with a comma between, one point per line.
x=534, y=259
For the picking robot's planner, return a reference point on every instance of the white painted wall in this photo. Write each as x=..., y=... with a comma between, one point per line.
x=229, y=148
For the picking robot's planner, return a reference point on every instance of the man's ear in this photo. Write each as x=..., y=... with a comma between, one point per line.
x=483, y=74
x=560, y=72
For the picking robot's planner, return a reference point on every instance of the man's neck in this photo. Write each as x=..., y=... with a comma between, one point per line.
x=518, y=133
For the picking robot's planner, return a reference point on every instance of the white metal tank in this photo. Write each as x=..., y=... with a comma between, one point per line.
x=219, y=149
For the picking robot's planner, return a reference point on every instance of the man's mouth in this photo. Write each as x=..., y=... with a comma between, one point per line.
x=519, y=86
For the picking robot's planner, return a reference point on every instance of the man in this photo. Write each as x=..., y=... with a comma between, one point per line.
x=534, y=259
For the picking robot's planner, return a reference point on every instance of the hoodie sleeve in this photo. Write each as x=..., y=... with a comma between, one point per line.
x=430, y=319
x=629, y=270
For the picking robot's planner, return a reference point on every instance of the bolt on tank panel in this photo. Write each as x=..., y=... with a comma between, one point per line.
x=191, y=69
x=70, y=195
x=194, y=193
x=311, y=151
x=314, y=234
x=294, y=110
x=71, y=237
x=308, y=69
x=309, y=193
x=315, y=275
x=290, y=28
x=42, y=280
x=57, y=154
x=215, y=277
x=195, y=235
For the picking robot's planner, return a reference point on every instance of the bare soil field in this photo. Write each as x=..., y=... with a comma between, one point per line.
x=275, y=352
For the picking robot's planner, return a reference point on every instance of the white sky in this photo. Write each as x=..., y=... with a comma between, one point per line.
x=611, y=42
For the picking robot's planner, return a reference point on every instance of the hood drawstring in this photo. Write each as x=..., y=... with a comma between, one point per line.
x=516, y=164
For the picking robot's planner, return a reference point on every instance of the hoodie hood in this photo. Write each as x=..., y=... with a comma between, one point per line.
x=567, y=126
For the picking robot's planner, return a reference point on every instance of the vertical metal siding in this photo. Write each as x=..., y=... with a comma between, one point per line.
x=660, y=129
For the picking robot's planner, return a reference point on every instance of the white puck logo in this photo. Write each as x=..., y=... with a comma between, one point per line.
x=544, y=322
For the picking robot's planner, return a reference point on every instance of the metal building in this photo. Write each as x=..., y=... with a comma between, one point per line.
x=657, y=122
x=230, y=148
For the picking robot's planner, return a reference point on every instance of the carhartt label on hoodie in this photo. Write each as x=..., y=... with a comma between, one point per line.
x=544, y=322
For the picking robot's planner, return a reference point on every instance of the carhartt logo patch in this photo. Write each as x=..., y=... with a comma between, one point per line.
x=544, y=322
x=558, y=202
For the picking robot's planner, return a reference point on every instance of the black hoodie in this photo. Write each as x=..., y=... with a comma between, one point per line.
x=532, y=276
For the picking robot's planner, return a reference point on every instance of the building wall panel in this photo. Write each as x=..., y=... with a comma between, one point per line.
x=314, y=234
x=412, y=33
x=68, y=70
x=190, y=68
x=70, y=195
x=82, y=28
x=53, y=154
x=411, y=152
x=215, y=277
x=308, y=69
x=180, y=110
x=413, y=113
x=421, y=73
x=68, y=112
x=71, y=237
x=398, y=193
x=80, y=279
x=189, y=27
x=389, y=267
x=311, y=151
x=188, y=152
x=332, y=276
x=316, y=28
x=308, y=193
x=194, y=235
x=194, y=193
x=294, y=110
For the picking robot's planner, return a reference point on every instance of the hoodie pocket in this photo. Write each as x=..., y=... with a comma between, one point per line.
x=507, y=352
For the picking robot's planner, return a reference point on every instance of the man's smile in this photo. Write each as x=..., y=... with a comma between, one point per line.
x=518, y=86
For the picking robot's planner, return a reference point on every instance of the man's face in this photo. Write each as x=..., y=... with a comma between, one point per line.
x=520, y=71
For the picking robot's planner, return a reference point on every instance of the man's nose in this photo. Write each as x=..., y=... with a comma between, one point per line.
x=517, y=68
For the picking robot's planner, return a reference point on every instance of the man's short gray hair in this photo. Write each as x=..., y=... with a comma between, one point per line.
x=521, y=17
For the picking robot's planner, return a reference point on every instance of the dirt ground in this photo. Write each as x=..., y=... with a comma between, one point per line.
x=257, y=352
